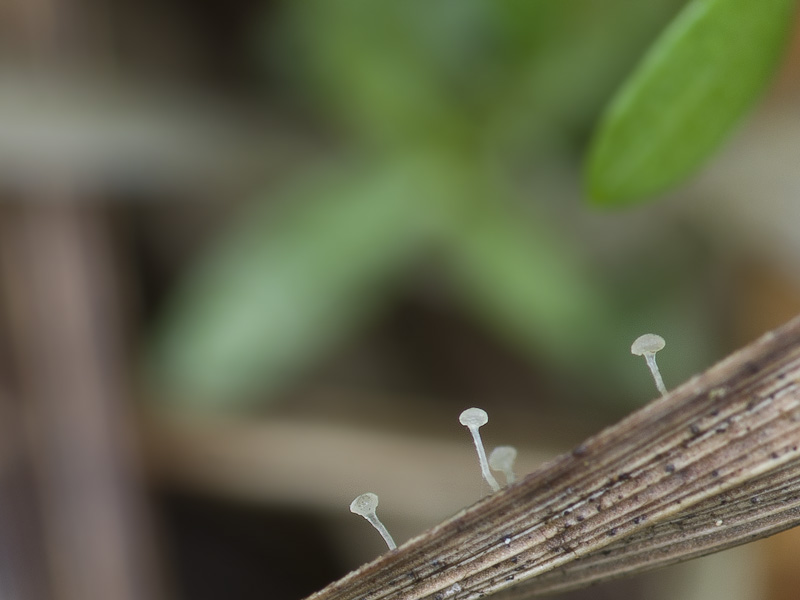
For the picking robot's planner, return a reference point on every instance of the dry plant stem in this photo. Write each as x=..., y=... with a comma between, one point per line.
x=713, y=525
x=67, y=340
x=22, y=553
x=712, y=464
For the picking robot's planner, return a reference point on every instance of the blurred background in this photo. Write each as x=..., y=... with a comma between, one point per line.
x=256, y=257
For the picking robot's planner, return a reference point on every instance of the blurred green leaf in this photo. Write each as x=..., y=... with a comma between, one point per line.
x=455, y=71
x=693, y=85
x=281, y=288
x=567, y=59
x=396, y=71
x=527, y=282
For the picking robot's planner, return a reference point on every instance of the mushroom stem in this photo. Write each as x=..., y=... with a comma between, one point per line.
x=472, y=419
x=502, y=459
x=651, y=363
x=647, y=345
x=365, y=506
x=387, y=537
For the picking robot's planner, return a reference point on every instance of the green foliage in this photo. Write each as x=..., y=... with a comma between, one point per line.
x=526, y=280
x=449, y=96
x=693, y=86
x=281, y=288
x=464, y=72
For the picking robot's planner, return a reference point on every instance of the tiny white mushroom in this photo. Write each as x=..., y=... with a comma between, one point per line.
x=472, y=419
x=647, y=345
x=365, y=506
x=502, y=459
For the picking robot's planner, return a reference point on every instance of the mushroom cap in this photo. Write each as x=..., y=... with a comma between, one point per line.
x=365, y=504
x=649, y=343
x=473, y=417
x=502, y=457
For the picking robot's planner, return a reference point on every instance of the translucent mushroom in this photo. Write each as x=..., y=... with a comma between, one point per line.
x=647, y=345
x=502, y=459
x=365, y=506
x=472, y=419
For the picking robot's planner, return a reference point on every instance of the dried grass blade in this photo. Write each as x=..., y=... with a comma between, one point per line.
x=617, y=503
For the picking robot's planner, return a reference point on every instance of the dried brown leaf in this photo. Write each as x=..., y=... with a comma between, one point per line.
x=713, y=464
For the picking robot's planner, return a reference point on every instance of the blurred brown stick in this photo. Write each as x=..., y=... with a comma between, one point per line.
x=22, y=571
x=63, y=310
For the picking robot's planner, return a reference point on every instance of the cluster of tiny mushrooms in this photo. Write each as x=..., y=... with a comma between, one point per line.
x=502, y=458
